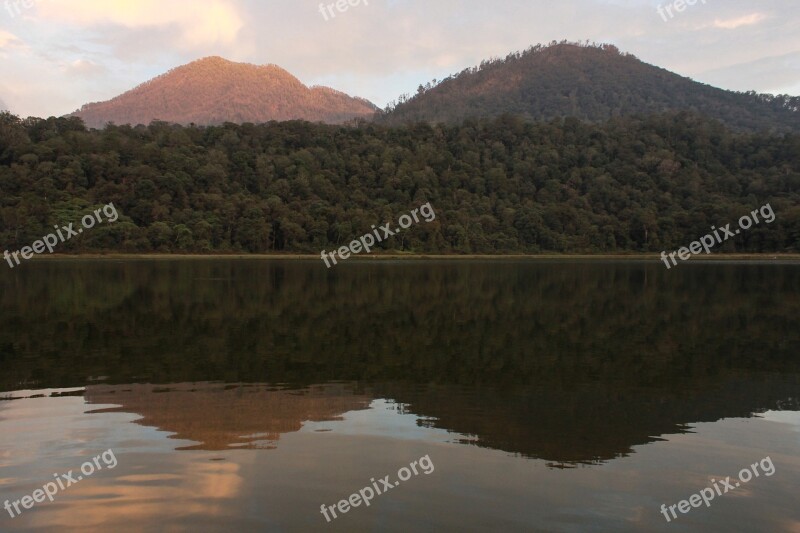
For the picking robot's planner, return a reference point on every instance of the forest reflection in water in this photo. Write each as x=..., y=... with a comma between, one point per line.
x=571, y=362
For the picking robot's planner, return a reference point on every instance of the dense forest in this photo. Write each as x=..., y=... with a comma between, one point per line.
x=592, y=82
x=500, y=185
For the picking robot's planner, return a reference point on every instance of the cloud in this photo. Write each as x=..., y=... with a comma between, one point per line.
x=65, y=53
x=83, y=67
x=196, y=23
x=8, y=40
x=732, y=24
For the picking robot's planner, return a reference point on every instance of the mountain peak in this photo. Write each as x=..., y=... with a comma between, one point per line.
x=213, y=90
x=593, y=82
x=213, y=59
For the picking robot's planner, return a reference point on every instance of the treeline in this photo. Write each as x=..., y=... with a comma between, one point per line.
x=498, y=186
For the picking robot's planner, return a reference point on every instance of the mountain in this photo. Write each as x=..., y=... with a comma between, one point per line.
x=213, y=91
x=589, y=82
x=3, y=106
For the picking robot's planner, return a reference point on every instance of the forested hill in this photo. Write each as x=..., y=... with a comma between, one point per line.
x=214, y=90
x=499, y=186
x=588, y=82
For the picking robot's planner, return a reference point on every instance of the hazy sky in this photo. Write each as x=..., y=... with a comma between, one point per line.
x=59, y=54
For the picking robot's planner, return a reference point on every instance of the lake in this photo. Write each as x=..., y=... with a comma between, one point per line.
x=510, y=395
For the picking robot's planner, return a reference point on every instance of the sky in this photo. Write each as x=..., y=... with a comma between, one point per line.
x=56, y=55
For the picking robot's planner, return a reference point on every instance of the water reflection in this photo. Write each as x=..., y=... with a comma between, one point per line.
x=473, y=488
x=568, y=362
x=582, y=424
x=550, y=396
x=220, y=417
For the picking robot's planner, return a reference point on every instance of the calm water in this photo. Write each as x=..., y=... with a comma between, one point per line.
x=243, y=395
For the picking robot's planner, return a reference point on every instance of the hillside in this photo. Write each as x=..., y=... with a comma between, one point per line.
x=587, y=82
x=214, y=90
x=497, y=186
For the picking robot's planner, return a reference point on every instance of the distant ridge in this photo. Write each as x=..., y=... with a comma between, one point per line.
x=589, y=82
x=214, y=90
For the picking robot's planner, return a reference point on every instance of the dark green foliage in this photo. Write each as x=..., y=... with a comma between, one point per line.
x=498, y=186
x=593, y=83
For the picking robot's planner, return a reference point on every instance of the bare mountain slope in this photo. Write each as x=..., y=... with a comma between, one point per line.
x=214, y=90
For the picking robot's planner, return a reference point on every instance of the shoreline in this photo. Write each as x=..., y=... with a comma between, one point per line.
x=414, y=257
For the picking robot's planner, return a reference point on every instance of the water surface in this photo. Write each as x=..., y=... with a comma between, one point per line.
x=550, y=396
